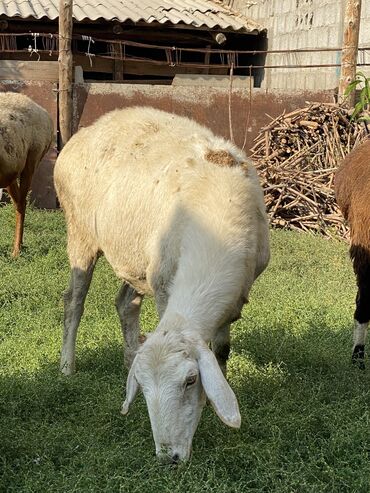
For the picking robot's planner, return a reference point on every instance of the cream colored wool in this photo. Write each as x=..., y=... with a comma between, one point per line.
x=179, y=214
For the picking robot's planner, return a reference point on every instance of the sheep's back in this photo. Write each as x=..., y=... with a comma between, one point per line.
x=24, y=126
x=352, y=186
x=136, y=176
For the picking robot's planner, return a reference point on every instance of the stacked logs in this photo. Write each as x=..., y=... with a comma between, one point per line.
x=296, y=156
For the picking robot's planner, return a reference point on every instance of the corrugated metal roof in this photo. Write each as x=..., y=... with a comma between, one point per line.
x=197, y=13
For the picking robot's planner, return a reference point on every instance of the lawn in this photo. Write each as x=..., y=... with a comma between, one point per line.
x=305, y=409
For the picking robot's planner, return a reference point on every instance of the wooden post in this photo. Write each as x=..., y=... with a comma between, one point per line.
x=351, y=29
x=65, y=102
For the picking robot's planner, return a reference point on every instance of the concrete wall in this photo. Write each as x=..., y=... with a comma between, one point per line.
x=298, y=24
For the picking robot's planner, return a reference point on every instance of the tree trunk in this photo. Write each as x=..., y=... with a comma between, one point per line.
x=351, y=31
x=65, y=71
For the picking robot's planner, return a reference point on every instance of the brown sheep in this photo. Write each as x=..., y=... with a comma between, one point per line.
x=352, y=190
x=26, y=133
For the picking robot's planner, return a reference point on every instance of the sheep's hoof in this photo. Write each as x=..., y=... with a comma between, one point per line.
x=129, y=357
x=67, y=369
x=358, y=356
x=16, y=252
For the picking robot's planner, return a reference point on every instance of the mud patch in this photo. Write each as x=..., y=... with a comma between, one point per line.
x=225, y=159
x=221, y=158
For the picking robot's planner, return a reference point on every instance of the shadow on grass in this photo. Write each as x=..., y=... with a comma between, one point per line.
x=64, y=429
x=316, y=362
x=300, y=400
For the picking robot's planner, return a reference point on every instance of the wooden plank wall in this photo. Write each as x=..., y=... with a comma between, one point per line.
x=28, y=70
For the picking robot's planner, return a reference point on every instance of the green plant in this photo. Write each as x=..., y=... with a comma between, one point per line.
x=363, y=104
x=305, y=408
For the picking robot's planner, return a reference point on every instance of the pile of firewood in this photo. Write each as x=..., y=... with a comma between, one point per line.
x=296, y=156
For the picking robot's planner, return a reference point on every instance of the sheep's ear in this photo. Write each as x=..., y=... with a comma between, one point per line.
x=217, y=389
x=131, y=389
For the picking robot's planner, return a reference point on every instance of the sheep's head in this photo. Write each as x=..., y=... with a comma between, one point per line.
x=175, y=374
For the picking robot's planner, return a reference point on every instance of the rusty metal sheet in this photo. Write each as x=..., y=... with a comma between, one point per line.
x=207, y=105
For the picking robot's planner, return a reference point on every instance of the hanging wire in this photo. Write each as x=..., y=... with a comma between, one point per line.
x=289, y=59
x=247, y=120
x=88, y=53
x=230, y=98
x=33, y=49
x=170, y=53
x=49, y=43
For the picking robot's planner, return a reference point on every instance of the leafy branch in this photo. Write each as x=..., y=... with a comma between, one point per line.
x=362, y=106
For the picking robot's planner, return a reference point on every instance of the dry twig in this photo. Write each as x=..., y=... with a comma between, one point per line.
x=296, y=156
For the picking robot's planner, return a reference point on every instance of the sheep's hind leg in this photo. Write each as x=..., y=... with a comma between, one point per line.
x=18, y=194
x=14, y=192
x=74, y=300
x=128, y=304
x=362, y=312
x=221, y=346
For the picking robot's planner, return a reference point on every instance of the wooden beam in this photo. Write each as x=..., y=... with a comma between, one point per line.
x=147, y=68
x=65, y=60
x=106, y=65
x=351, y=29
x=25, y=70
x=98, y=64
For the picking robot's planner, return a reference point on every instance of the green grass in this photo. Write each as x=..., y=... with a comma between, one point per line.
x=305, y=409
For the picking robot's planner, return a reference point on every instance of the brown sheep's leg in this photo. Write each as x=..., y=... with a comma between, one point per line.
x=18, y=194
x=14, y=192
x=221, y=346
x=128, y=304
x=362, y=312
x=74, y=300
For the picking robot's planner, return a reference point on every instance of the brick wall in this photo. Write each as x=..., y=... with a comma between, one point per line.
x=301, y=24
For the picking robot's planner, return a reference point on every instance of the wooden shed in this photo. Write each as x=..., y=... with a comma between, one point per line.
x=129, y=41
x=165, y=53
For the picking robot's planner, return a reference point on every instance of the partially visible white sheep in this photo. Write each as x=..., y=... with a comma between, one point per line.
x=26, y=133
x=179, y=214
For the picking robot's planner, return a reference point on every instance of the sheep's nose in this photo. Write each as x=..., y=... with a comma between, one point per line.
x=167, y=457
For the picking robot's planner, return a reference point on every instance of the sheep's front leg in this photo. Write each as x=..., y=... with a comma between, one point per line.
x=221, y=346
x=362, y=318
x=361, y=265
x=128, y=304
x=74, y=300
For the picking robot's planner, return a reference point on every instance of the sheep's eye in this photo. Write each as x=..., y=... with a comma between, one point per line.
x=191, y=379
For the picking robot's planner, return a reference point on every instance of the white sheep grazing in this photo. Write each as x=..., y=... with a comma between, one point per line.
x=179, y=214
x=26, y=133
